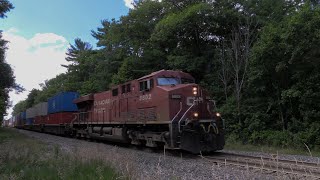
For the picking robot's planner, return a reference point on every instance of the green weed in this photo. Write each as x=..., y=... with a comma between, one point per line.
x=25, y=158
x=232, y=144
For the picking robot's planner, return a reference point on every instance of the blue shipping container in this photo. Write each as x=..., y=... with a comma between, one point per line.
x=23, y=115
x=29, y=121
x=63, y=102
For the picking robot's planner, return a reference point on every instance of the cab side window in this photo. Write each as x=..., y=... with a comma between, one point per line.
x=125, y=88
x=115, y=92
x=128, y=87
x=146, y=85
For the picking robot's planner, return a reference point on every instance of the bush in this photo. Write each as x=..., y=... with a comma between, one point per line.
x=271, y=138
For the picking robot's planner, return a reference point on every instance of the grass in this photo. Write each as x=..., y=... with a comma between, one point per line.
x=238, y=146
x=25, y=158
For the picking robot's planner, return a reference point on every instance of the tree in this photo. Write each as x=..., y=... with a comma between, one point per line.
x=258, y=59
x=77, y=50
x=187, y=37
x=31, y=100
x=284, y=72
x=5, y=6
x=242, y=39
x=126, y=41
x=19, y=107
x=6, y=74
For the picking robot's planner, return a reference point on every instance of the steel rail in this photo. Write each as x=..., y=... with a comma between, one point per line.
x=281, y=166
x=275, y=159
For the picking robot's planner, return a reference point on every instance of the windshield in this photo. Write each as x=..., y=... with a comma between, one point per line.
x=168, y=81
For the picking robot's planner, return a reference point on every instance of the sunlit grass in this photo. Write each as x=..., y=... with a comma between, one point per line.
x=26, y=158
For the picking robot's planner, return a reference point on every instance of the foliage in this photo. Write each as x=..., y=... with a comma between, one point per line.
x=7, y=79
x=21, y=106
x=259, y=59
x=284, y=69
x=5, y=6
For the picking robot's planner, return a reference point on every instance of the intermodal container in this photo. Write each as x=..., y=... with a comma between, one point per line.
x=29, y=121
x=63, y=102
x=23, y=115
x=17, y=121
x=12, y=120
x=37, y=120
x=60, y=118
x=40, y=119
x=30, y=113
x=41, y=109
x=23, y=118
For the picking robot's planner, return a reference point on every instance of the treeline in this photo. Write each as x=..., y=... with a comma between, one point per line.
x=258, y=58
x=7, y=78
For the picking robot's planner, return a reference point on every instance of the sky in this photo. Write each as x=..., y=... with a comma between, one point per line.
x=40, y=31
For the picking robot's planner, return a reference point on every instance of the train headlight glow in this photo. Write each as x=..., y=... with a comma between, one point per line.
x=196, y=115
x=218, y=114
x=195, y=90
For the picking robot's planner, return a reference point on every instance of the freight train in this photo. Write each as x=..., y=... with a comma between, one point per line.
x=165, y=108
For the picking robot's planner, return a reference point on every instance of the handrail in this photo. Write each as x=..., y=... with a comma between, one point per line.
x=177, y=113
x=194, y=103
x=74, y=119
x=171, y=130
x=208, y=109
x=79, y=117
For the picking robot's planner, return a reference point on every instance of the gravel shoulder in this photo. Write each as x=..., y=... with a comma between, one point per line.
x=142, y=164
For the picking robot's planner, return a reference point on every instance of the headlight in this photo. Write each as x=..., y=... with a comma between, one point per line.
x=196, y=114
x=195, y=90
x=218, y=114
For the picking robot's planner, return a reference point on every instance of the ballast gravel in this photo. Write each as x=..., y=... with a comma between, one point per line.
x=145, y=164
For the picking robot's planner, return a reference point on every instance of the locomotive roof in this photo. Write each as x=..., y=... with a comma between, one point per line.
x=88, y=97
x=168, y=73
x=164, y=73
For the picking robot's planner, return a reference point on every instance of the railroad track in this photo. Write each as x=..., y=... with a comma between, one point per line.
x=268, y=164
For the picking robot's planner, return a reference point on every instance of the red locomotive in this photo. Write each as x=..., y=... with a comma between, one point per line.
x=163, y=108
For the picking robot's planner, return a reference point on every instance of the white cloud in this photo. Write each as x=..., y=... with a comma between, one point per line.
x=34, y=60
x=13, y=30
x=47, y=39
x=129, y=4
